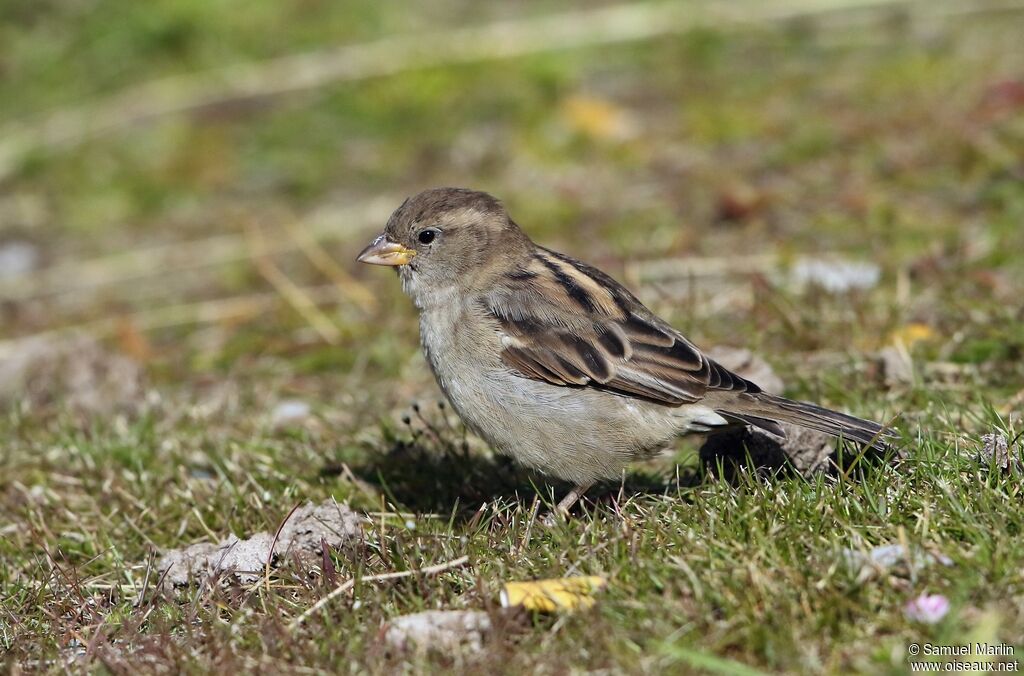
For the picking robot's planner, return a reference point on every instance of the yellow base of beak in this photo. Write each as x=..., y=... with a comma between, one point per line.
x=384, y=251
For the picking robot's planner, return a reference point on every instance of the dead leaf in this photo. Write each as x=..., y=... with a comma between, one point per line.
x=1001, y=99
x=739, y=201
x=911, y=334
x=134, y=342
x=598, y=118
x=548, y=596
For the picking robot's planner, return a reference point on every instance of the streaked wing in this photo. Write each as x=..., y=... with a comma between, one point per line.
x=569, y=324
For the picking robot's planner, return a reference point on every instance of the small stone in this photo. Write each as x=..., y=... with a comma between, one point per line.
x=897, y=366
x=245, y=560
x=290, y=412
x=835, y=276
x=17, y=258
x=442, y=630
x=330, y=522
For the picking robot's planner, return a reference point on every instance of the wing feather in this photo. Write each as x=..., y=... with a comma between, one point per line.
x=571, y=325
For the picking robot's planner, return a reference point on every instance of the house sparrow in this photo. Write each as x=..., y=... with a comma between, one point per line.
x=552, y=361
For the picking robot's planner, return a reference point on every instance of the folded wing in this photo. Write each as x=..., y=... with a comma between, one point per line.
x=571, y=325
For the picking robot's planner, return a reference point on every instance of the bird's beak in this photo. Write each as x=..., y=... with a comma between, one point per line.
x=383, y=251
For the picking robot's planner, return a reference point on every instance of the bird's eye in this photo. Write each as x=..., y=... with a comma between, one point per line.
x=427, y=236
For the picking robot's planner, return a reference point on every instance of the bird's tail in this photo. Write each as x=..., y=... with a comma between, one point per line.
x=767, y=409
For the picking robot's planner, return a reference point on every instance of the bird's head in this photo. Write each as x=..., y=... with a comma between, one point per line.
x=445, y=240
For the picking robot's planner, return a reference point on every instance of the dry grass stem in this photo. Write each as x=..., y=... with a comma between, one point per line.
x=347, y=285
x=300, y=301
x=348, y=584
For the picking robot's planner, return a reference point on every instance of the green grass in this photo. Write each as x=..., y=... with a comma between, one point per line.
x=904, y=150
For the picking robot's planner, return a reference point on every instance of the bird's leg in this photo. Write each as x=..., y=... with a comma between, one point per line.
x=561, y=510
x=571, y=498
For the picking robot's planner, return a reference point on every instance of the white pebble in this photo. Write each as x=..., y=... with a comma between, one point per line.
x=290, y=412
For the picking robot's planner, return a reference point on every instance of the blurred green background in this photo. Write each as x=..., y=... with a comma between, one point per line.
x=143, y=145
x=187, y=346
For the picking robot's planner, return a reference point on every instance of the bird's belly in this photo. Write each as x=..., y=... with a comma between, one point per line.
x=576, y=434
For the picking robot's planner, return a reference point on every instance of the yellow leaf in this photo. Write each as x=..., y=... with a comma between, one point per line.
x=597, y=118
x=912, y=333
x=548, y=596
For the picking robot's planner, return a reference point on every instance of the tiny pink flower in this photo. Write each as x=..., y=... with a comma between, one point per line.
x=927, y=608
